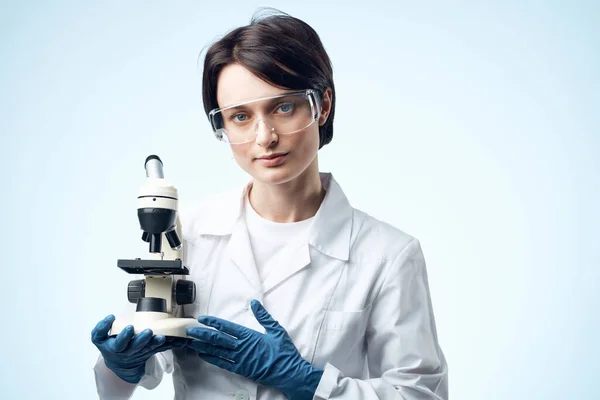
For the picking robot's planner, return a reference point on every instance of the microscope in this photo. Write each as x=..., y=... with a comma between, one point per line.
x=162, y=289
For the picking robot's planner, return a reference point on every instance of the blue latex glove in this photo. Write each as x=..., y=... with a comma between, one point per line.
x=270, y=359
x=126, y=354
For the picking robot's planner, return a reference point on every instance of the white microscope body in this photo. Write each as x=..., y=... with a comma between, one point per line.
x=162, y=290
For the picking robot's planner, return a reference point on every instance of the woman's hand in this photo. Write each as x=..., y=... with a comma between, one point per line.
x=270, y=359
x=126, y=354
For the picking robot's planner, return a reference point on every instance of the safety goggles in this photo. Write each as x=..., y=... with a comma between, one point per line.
x=283, y=114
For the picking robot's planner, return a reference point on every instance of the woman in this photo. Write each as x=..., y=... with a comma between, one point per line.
x=310, y=298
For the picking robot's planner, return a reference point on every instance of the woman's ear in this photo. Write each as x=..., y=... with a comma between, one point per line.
x=325, y=107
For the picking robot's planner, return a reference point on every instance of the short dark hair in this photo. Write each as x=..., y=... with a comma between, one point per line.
x=281, y=50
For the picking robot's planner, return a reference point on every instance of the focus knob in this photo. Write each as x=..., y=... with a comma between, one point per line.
x=185, y=292
x=136, y=290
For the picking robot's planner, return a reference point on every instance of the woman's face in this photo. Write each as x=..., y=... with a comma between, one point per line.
x=235, y=85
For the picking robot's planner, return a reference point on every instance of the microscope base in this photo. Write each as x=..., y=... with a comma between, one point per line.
x=161, y=324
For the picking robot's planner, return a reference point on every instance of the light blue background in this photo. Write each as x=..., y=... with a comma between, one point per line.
x=472, y=127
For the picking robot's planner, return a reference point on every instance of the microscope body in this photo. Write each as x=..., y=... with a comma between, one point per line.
x=163, y=288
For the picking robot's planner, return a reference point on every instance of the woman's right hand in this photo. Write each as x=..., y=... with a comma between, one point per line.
x=127, y=353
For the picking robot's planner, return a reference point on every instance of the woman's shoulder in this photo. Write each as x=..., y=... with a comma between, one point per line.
x=214, y=213
x=377, y=237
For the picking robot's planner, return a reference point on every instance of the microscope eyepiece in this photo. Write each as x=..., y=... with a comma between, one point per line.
x=154, y=167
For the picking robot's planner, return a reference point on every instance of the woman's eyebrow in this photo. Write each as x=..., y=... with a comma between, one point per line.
x=235, y=108
x=271, y=102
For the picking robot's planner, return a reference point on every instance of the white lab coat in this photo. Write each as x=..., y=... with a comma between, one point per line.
x=355, y=301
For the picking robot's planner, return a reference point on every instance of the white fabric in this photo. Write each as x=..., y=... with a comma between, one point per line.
x=268, y=239
x=354, y=298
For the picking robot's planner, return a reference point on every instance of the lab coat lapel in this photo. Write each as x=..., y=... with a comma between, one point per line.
x=332, y=227
x=240, y=252
x=287, y=263
x=329, y=233
x=222, y=216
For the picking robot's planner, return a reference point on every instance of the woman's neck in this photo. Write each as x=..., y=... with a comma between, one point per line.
x=292, y=201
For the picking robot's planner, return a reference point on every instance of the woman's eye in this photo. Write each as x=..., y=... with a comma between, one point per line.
x=239, y=117
x=286, y=107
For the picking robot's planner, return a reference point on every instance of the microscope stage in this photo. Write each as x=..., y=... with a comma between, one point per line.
x=153, y=267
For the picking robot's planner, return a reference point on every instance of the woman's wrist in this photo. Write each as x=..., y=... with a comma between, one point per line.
x=305, y=390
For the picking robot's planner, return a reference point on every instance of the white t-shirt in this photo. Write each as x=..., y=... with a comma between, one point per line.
x=268, y=238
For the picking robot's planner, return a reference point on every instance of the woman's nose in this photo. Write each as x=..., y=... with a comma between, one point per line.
x=265, y=134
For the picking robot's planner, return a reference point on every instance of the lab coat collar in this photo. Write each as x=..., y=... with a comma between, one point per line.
x=332, y=226
x=329, y=232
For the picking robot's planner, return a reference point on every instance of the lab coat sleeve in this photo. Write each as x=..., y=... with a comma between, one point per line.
x=404, y=358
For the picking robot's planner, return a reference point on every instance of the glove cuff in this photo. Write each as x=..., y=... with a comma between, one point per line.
x=305, y=387
x=128, y=374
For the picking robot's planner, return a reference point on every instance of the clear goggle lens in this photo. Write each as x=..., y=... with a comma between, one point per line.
x=283, y=114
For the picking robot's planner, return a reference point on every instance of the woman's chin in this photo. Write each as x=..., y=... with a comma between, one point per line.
x=272, y=175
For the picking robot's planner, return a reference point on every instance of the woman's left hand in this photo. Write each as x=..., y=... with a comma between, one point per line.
x=270, y=359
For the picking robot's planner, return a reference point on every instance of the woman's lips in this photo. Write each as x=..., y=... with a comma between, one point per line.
x=274, y=161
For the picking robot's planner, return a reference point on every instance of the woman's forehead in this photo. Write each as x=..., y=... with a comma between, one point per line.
x=236, y=85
